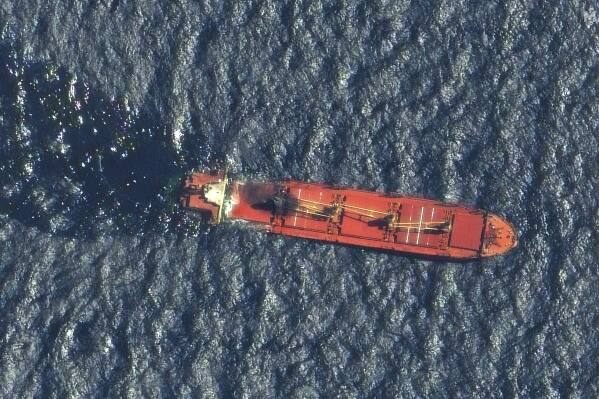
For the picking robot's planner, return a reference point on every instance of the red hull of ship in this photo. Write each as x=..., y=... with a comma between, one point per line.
x=354, y=217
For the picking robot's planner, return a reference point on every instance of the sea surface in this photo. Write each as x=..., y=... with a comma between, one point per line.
x=108, y=290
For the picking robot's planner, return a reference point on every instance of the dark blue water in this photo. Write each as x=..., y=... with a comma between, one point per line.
x=108, y=290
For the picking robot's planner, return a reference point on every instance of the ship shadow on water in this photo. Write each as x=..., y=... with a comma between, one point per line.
x=75, y=163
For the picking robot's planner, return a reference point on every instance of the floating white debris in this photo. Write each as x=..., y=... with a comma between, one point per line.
x=177, y=135
x=72, y=93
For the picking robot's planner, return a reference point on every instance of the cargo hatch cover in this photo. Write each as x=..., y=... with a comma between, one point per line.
x=467, y=231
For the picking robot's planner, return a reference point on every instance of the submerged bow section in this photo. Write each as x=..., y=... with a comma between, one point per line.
x=354, y=217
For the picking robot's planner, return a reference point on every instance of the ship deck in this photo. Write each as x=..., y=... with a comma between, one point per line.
x=422, y=226
x=354, y=217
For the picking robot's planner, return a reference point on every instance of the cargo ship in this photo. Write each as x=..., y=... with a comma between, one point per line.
x=367, y=219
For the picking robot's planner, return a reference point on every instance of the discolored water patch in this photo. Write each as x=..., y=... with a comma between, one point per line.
x=76, y=162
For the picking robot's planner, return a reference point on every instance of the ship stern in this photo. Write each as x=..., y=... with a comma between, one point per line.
x=205, y=193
